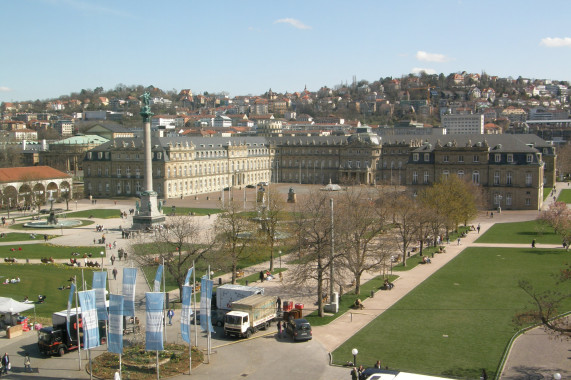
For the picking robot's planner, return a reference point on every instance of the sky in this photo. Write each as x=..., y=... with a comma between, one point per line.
x=52, y=48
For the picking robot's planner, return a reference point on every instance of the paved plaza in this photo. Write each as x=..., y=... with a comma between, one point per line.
x=533, y=354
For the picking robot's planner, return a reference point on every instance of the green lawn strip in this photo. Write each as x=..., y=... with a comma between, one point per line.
x=190, y=210
x=520, y=233
x=459, y=320
x=546, y=192
x=348, y=299
x=564, y=196
x=38, y=251
x=95, y=213
x=42, y=279
x=22, y=236
x=251, y=279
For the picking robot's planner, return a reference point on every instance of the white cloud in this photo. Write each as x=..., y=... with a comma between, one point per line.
x=556, y=42
x=5, y=89
x=293, y=22
x=418, y=70
x=431, y=57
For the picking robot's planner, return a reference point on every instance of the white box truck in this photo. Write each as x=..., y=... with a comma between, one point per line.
x=228, y=293
x=249, y=315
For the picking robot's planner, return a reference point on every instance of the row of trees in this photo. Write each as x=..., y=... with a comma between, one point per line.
x=339, y=236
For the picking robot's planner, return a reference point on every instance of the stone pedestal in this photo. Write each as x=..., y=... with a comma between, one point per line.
x=149, y=214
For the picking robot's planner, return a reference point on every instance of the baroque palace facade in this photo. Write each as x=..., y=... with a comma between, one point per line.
x=512, y=169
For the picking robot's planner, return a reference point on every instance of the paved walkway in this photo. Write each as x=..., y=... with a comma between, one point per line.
x=346, y=325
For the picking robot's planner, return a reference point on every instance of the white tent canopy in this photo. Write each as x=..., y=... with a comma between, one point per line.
x=8, y=305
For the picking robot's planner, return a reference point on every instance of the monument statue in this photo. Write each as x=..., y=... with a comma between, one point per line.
x=146, y=108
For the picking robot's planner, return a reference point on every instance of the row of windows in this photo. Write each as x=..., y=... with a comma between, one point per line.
x=475, y=177
x=475, y=158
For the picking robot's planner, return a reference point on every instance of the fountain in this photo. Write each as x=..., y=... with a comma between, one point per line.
x=53, y=221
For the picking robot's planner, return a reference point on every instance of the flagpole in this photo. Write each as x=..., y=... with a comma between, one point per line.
x=194, y=295
x=77, y=322
x=164, y=301
x=158, y=376
x=208, y=311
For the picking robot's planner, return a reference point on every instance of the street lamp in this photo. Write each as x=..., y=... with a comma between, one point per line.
x=557, y=376
x=75, y=205
x=102, y=257
x=61, y=227
x=354, y=352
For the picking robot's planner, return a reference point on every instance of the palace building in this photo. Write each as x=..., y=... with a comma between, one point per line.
x=512, y=169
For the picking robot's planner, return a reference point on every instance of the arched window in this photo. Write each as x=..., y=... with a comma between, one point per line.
x=476, y=177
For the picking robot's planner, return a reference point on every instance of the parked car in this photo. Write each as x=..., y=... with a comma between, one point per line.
x=250, y=186
x=299, y=329
x=263, y=183
x=217, y=317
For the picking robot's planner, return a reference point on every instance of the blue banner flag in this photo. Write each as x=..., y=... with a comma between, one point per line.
x=89, y=319
x=158, y=278
x=154, y=334
x=115, y=343
x=186, y=313
x=99, y=285
x=188, y=275
x=69, y=302
x=129, y=279
x=205, y=304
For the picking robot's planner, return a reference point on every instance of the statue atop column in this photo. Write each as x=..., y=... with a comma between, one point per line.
x=146, y=108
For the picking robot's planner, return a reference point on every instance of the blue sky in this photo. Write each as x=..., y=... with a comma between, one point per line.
x=55, y=47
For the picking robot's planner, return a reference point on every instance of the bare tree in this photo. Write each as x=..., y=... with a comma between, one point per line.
x=545, y=305
x=272, y=214
x=358, y=235
x=312, y=225
x=179, y=244
x=236, y=233
x=406, y=213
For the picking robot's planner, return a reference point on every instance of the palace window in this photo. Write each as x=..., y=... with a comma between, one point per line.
x=510, y=158
x=497, y=177
x=509, y=178
x=497, y=157
x=426, y=177
x=528, y=178
x=414, y=177
x=476, y=177
x=414, y=157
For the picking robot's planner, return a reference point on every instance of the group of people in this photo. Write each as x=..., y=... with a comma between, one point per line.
x=266, y=276
x=357, y=373
x=12, y=281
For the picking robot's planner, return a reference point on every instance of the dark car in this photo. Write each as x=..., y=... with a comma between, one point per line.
x=299, y=329
x=217, y=317
x=250, y=186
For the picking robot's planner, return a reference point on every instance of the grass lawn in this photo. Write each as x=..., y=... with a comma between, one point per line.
x=546, y=192
x=37, y=251
x=189, y=210
x=459, y=320
x=22, y=236
x=95, y=213
x=520, y=233
x=564, y=196
x=348, y=299
x=42, y=279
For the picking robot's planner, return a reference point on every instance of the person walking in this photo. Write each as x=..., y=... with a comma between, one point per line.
x=6, y=363
x=27, y=363
x=279, y=329
x=533, y=243
x=458, y=241
x=112, y=259
x=170, y=314
x=114, y=273
x=354, y=374
x=478, y=228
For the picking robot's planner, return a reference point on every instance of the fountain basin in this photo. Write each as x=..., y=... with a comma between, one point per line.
x=61, y=223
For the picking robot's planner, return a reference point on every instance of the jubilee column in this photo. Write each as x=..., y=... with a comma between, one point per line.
x=149, y=214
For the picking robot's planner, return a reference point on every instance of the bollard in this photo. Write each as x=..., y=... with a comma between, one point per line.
x=372, y=294
x=219, y=280
x=247, y=282
x=207, y=198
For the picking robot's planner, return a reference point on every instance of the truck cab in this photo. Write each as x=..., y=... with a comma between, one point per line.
x=53, y=341
x=237, y=323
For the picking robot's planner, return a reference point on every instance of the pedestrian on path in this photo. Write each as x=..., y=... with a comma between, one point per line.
x=112, y=259
x=114, y=273
x=533, y=243
x=170, y=314
x=458, y=241
x=27, y=363
x=354, y=374
x=6, y=362
x=279, y=329
x=478, y=228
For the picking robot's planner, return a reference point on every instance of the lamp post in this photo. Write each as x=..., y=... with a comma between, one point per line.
x=557, y=376
x=102, y=257
x=61, y=227
x=280, y=252
x=75, y=205
x=354, y=352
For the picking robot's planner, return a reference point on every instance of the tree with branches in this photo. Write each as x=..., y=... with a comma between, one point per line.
x=361, y=235
x=272, y=213
x=558, y=216
x=545, y=306
x=406, y=212
x=236, y=234
x=182, y=242
x=312, y=225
